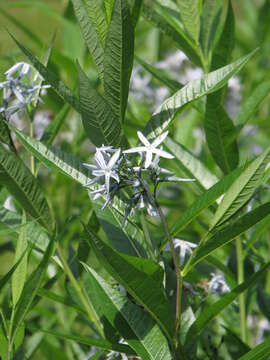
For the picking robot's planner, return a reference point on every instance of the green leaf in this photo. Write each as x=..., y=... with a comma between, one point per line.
x=132, y=322
x=263, y=301
x=54, y=126
x=209, y=22
x=31, y=288
x=60, y=300
x=162, y=18
x=108, y=8
x=54, y=158
x=212, y=311
x=227, y=234
x=223, y=50
x=139, y=277
x=5, y=135
x=19, y=276
x=118, y=58
x=260, y=352
x=136, y=11
x=36, y=234
x=100, y=123
x=195, y=89
x=241, y=190
x=205, y=200
x=249, y=107
x=4, y=279
x=93, y=29
x=160, y=75
x=192, y=166
x=50, y=77
x=86, y=340
x=219, y=130
x=127, y=239
x=19, y=181
x=190, y=15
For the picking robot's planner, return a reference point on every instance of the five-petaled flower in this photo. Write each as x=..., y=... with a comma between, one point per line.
x=150, y=149
x=104, y=169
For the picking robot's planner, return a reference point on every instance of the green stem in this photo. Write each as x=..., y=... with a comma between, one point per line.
x=32, y=159
x=176, y=263
x=78, y=289
x=240, y=279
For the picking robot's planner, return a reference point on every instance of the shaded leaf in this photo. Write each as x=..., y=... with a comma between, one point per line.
x=19, y=276
x=31, y=288
x=19, y=181
x=219, y=130
x=212, y=311
x=132, y=322
x=54, y=126
x=101, y=343
x=139, y=277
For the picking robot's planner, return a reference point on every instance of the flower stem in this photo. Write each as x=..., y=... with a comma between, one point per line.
x=240, y=279
x=177, y=271
x=32, y=159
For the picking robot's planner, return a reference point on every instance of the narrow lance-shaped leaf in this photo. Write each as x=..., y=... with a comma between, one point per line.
x=211, y=312
x=131, y=321
x=139, y=277
x=192, y=166
x=118, y=58
x=242, y=189
x=19, y=276
x=227, y=234
x=195, y=89
x=190, y=15
x=249, y=107
x=91, y=30
x=86, y=340
x=161, y=18
x=260, y=352
x=219, y=130
x=100, y=123
x=54, y=126
x=50, y=77
x=5, y=134
x=19, y=181
x=31, y=288
x=205, y=200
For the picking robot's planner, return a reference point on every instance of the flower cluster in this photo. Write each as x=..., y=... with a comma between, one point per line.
x=217, y=284
x=116, y=170
x=22, y=87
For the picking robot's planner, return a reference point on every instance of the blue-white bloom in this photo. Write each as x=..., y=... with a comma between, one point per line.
x=186, y=247
x=105, y=168
x=22, y=87
x=217, y=284
x=150, y=149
